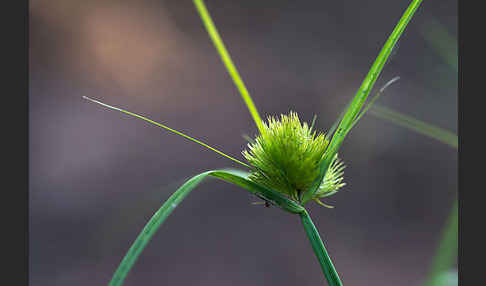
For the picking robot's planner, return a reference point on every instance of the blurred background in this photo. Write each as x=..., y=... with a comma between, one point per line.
x=96, y=176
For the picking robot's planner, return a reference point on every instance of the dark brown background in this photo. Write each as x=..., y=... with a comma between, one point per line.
x=96, y=176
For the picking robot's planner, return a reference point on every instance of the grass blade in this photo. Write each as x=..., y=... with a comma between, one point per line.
x=151, y=228
x=225, y=57
x=446, y=252
x=372, y=102
x=361, y=95
x=240, y=178
x=436, y=35
x=236, y=177
x=327, y=266
x=446, y=46
x=416, y=125
x=445, y=278
x=167, y=128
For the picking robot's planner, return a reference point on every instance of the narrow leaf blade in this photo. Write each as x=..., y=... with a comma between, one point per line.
x=151, y=228
x=361, y=95
x=168, y=129
x=237, y=177
x=415, y=125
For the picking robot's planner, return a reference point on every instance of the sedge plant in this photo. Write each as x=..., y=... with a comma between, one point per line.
x=288, y=163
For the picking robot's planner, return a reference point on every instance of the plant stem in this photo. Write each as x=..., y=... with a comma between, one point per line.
x=320, y=251
x=225, y=57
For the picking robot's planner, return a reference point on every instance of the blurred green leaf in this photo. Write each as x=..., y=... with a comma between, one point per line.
x=437, y=36
x=446, y=252
x=416, y=125
x=445, y=278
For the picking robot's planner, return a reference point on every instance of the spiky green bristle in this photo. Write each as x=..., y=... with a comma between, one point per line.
x=285, y=157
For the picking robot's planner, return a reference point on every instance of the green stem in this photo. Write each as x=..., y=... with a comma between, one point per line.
x=225, y=57
x=320, y=251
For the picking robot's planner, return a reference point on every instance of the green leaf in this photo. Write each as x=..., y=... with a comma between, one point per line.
x=445, y=278
x=360, y=97
x=168, y=129
x=237, y=177
x=416, y=125
x=446, y=252
x=372, y=102
x=436, y=35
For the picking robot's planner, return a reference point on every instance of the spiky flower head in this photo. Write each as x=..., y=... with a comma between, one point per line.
x=285, y=157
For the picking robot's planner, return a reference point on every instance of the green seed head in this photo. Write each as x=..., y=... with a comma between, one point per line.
x=285, y=157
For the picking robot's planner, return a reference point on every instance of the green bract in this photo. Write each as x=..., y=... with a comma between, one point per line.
x=285, y=157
